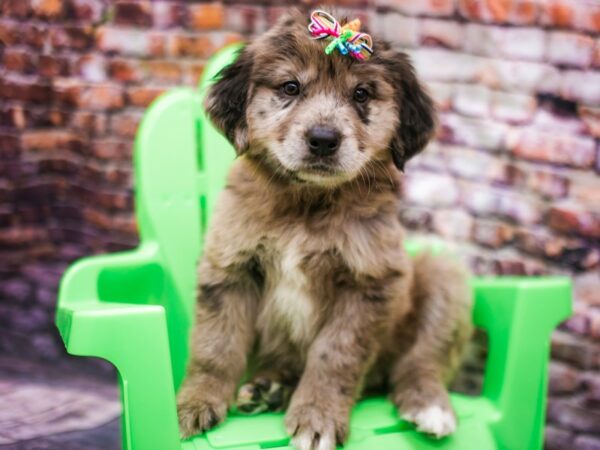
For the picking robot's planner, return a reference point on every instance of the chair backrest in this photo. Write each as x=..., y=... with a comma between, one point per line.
x=181, y=163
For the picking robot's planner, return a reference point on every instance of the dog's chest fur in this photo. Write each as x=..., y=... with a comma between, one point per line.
x=287, y=299
x=288, y=303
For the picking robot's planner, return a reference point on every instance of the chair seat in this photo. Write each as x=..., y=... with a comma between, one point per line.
x=375, y=425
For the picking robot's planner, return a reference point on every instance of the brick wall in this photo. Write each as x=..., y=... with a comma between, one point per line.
x=512, y=179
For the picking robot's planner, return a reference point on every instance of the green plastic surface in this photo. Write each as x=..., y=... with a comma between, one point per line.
x=135, y=309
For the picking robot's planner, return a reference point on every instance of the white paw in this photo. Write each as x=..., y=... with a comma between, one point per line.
x=433, y=420
x=308, y=441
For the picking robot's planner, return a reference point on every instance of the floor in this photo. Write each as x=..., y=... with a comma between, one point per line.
x=43, y=407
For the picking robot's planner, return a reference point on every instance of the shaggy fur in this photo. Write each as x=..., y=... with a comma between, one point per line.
x=304, y=276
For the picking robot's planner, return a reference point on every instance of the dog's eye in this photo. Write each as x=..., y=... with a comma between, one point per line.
x=361, y=95
x=291, y=88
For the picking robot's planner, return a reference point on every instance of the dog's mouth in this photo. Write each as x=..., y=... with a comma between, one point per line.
x=321, y=173
x=320, y=169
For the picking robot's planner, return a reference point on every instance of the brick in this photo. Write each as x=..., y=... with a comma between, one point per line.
x=584, y=442
x=452, y=223
x=472, y=100
x=422, y=7
x=9, y=145
x=555, y=148
x=570, y=217
x=53, y=66
x=586, y=287
x=472, y=132
x=415, y=218
x=206, y=16
x=275, y=12
x=521, y=12
x=578, y=323
x=476, y=165
x=10, y=32
x=111, y=149
x=19, y=9
x=167, y=14
x=131, y=42
x=492, y=234
x=563, y=379
x=582, y=354
x=192, y=73
x=572, y=415
x=582, y=15
x=96, y=97
x=198, y=46
x=125, y=124
x=557, y=438
x=547, y=184
x=570, y=49
x=72, y=37
x=17, y=60
x=581, y=86
x=596, y=54
x=164, y=71
x=442, y=94
x=435, y=64
x=591, y=117
x=48, y=9
x=568, y=252
x=514, y=43
x=560, y=13
x=430, y=189
x=585, y=191
x=22, y=117
x=520, y=76
x=483, y=201
x=89, y=122
x=51, y=140
x=112, y=222
x=27, y=89
x=86, y=11
x=133, y=13
x=127, y=70
x=92, y=68
x=398, y=29
x=143, y=95
x=513, y=108
x=246, y=19
x=546, y=119
x=37, y=35
x=446, y=33
x=594, y=317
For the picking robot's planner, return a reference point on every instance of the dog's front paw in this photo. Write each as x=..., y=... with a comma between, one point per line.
x=199, y=408
x=262, y=394
x=315, y=427
x=433, y=420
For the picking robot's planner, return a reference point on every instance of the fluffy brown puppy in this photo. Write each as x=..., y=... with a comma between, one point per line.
x=304, y=278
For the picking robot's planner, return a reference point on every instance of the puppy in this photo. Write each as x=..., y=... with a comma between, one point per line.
x=304, y=277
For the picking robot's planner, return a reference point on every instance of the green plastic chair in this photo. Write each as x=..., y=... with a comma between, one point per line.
x=135, y=309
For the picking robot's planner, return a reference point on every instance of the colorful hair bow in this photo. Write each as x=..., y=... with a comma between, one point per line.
x=347, y=39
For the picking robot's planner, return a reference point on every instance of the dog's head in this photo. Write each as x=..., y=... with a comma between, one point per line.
x=320, y=118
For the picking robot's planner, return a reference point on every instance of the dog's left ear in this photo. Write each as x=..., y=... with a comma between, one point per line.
x=415, y=108
x=227, y=100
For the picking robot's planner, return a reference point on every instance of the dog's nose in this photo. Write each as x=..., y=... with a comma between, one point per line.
x=323, y=141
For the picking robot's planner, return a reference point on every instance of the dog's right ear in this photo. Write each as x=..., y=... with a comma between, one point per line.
x=227, y=100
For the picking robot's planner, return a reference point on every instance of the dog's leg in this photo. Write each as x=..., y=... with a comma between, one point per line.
x=438, y=330
x=222, y=338
x=268, y=390
x=337, y=361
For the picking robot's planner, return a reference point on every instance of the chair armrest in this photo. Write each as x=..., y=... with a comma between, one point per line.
x=133, y=337
x=519, y=315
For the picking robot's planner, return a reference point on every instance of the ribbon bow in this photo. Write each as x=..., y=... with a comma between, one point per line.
x=347, y=39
